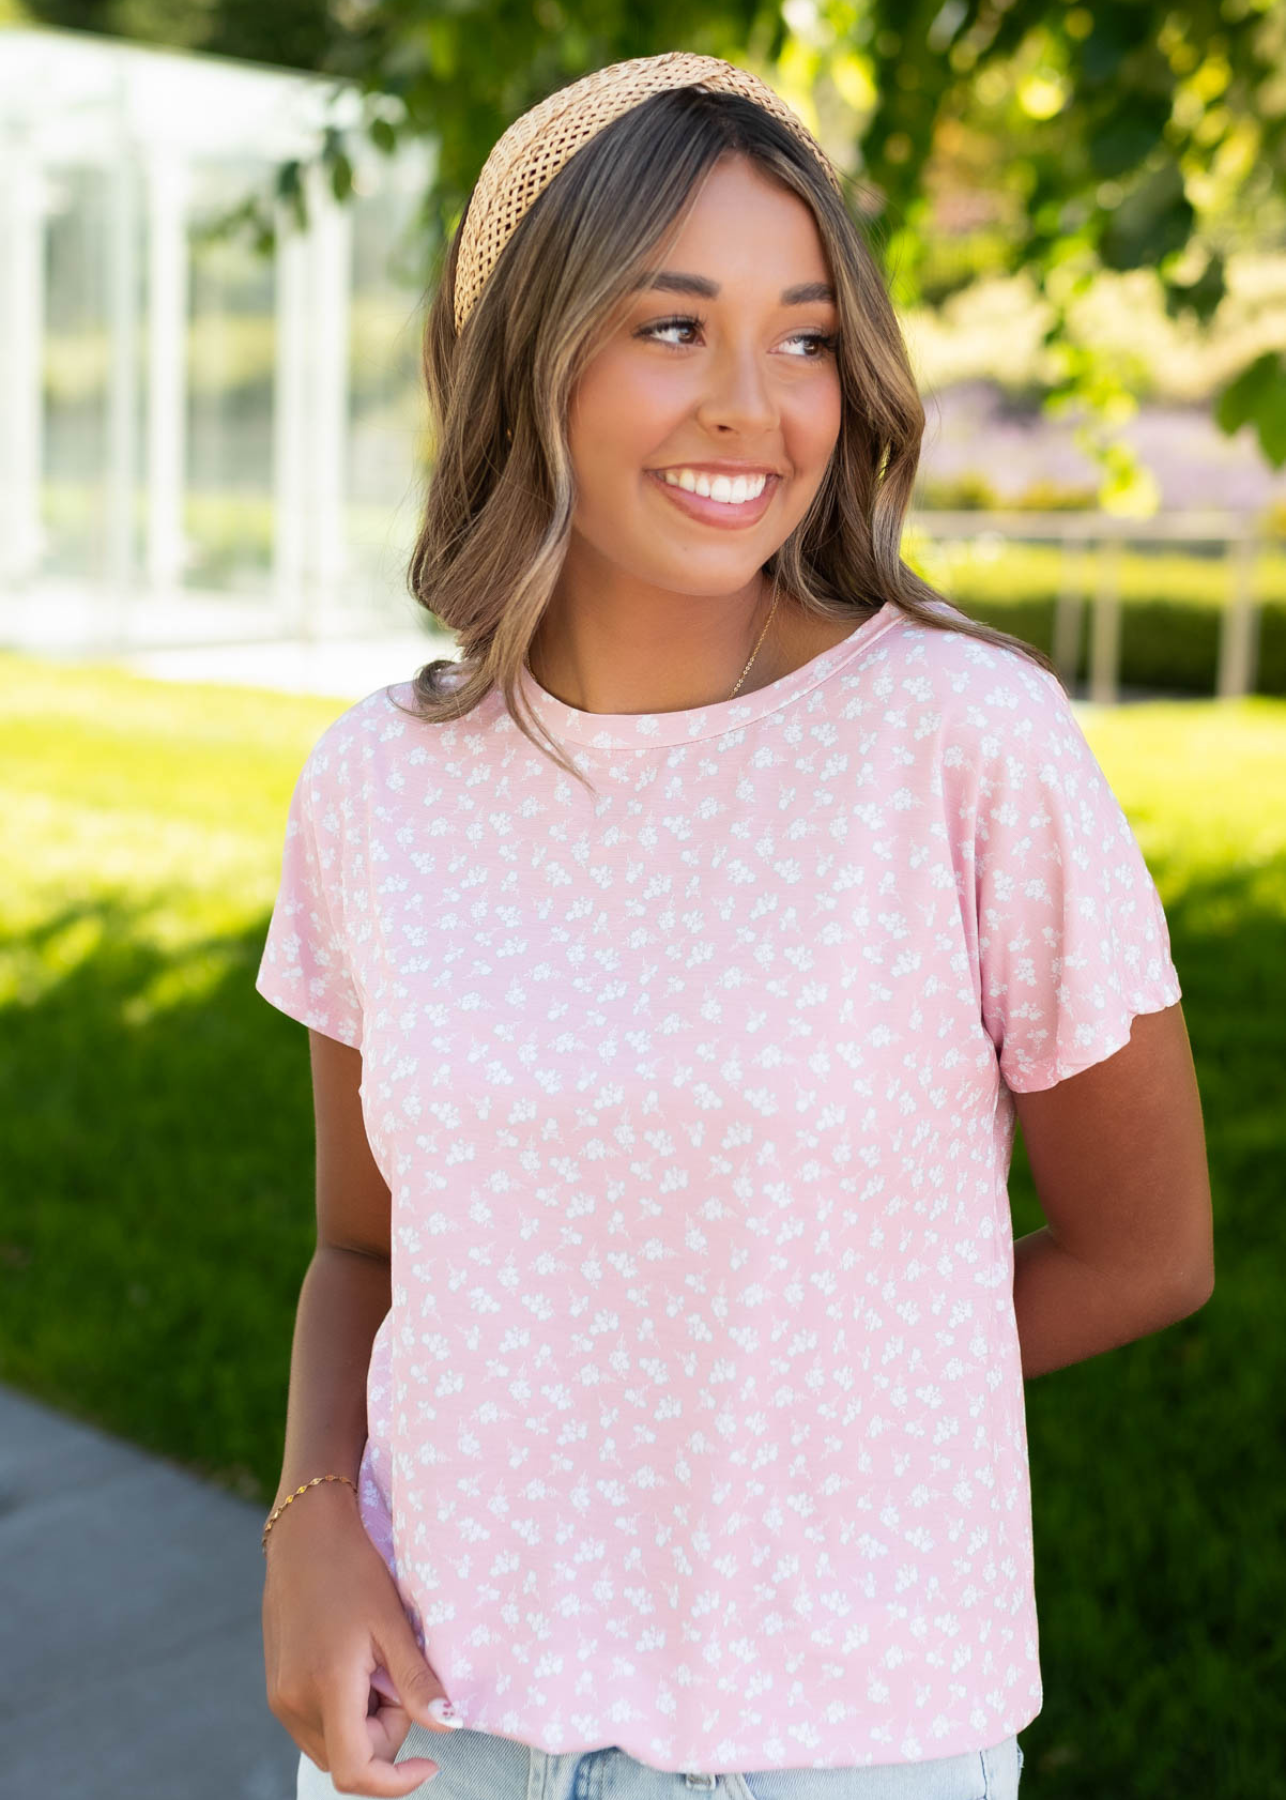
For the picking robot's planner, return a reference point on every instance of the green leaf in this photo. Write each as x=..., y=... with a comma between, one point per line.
x=383, y=136
x=341, y=176
x=1153, y=221
x=1124, y=142
x=1201, y=297
x=1258, y=397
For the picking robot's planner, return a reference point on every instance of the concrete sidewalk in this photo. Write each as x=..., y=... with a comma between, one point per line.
x=131, y=1650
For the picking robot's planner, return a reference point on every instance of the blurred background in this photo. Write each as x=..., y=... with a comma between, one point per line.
x=217, y=223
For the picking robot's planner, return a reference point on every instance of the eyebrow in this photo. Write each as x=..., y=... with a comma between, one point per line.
x=672, y=282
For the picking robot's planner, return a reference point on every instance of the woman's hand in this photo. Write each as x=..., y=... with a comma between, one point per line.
x=345, y=1674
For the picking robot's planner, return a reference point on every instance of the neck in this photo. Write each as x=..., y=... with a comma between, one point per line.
x=683, y=652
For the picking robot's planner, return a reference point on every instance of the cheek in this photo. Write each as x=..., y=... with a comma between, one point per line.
x=622, y=409
x=816, y=425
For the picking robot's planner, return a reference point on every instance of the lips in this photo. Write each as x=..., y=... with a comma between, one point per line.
x=720, y=513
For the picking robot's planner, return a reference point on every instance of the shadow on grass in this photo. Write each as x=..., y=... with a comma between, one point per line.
x=159, y=1212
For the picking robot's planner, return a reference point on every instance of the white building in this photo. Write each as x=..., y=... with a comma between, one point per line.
x=199, y=444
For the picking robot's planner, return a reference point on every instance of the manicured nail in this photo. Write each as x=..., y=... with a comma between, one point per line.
x=442, y=1710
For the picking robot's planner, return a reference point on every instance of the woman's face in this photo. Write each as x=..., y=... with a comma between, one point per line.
x=722, y=358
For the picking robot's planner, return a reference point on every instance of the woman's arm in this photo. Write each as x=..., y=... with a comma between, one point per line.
x=332, y=1615
x=345, y=1292
x=1118, y=1157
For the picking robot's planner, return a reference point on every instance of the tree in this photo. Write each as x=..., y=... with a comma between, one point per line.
x=1136, y=135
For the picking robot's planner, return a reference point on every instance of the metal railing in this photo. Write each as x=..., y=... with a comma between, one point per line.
x=1094, y=540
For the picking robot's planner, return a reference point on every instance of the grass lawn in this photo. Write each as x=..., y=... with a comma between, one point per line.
x=156, y=1216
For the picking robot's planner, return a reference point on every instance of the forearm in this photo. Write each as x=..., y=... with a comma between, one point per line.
x=1068, y=1310
x=342, y=1300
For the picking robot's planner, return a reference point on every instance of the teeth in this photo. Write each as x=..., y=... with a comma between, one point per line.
x=717, y=487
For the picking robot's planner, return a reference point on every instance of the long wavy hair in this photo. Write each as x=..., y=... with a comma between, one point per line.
x=501, y=489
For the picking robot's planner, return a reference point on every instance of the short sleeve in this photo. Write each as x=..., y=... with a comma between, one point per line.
x=1072, y=937
x=305, y=968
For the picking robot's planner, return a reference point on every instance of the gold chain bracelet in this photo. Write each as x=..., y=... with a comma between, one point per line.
x=277, y=1511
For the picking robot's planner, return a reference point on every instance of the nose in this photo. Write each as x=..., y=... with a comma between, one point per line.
x=739, y=398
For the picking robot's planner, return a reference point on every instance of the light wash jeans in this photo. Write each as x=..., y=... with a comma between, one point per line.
x=475, y=1765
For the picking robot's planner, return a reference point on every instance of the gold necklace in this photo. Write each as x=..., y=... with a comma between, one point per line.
x=754, y=653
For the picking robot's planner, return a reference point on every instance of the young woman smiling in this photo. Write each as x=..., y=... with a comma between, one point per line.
x=677, y=963
x=724, y=364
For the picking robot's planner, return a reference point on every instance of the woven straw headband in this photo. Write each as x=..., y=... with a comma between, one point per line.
x=526, y=158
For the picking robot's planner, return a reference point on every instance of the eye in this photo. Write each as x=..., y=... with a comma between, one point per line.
x=685, y=322
x=826, y=344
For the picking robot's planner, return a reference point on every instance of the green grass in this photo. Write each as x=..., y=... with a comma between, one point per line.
x=157, y=1156
x=157, y=1184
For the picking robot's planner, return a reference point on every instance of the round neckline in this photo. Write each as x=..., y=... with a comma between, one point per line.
x=640, y=731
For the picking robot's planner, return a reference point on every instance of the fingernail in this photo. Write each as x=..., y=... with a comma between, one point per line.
x=442, y=1710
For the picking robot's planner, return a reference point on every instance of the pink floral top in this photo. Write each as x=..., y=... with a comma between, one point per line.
x=696, y=1424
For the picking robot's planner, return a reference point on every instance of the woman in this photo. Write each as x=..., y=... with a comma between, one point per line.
x=676, y=965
